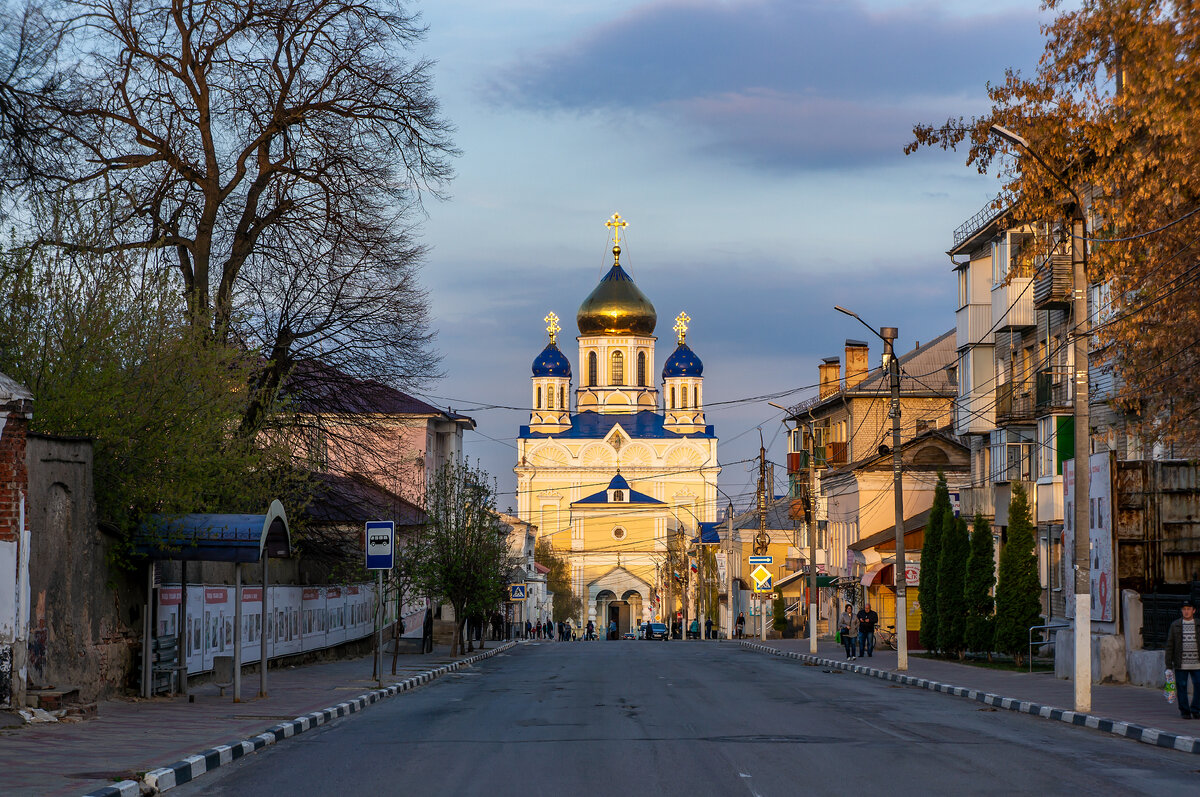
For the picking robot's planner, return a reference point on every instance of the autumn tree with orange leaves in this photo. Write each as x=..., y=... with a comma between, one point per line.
x=1114, y=105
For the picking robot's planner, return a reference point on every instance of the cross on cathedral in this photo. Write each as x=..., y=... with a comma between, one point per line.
x=681, y=326
x=616, y=224
x=552, y=326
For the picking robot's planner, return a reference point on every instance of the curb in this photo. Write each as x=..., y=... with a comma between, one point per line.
x=188, y=769
x=1127, y=730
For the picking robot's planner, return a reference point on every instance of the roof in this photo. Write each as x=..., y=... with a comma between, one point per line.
x=920, y=441
x=316, y=388
x=597, y=425
x=778, y=516
x=682, y=362
x=911, y=524
x=356, y=499
x=552, y=362
x=710, y=533
x=11, y=390
x=215, y=538
x=618, y=483
x=923, y=373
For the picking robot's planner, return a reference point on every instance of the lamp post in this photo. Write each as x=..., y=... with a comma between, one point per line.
x=899, y=577
x=1080, y=519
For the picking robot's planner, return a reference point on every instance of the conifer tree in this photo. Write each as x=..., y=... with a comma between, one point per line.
x=1018, y=604
x=952, y=578
x=930, y=549
x=981, y=577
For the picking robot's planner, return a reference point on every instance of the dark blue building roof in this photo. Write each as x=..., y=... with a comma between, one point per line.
x=682, y=362
x=552, y=362
x=618, y=483
x=594, y=425
x=709, y=533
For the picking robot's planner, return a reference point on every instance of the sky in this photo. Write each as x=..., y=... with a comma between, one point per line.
x=755, y=148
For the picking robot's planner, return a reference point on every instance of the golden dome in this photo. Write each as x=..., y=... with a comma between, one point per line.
x=616, y=306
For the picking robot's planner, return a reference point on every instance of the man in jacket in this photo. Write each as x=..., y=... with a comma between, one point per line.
x=1183, y=657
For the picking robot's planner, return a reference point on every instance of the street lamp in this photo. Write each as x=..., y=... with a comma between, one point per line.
x=899, y=577
x=1081, y=523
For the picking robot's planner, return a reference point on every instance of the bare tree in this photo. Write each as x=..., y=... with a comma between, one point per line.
x=275, y=154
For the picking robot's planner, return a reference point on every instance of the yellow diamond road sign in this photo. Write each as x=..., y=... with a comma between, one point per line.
x=762, y=579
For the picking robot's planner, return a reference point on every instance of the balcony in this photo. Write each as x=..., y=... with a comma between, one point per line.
x=1012, y=305
x=1014, y=404
x=977, y=500
x=1052, y=286
x=975, y=413
x=1052, y=391
x=973, y=325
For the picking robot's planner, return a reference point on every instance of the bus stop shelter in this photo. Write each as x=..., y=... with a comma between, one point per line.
x=237, y=539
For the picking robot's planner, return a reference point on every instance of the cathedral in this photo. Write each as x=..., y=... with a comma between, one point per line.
x=611, y=469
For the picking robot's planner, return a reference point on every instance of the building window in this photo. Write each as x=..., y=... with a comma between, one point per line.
x=618, y=368
x=592, y=368
x=618, y=533
x=683, y=396
x=672, y=405
x=696, y=397
x=964, y=294
x=618, y=496
x=562, y=398
x=641, y=369
x=538, y=405
x=550, y=398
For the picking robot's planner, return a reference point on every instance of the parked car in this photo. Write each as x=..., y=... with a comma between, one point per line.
x=654, y=631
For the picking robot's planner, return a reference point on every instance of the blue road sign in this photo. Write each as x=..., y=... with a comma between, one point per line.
x=516, y=592
x=381, y=537
x=761, y=560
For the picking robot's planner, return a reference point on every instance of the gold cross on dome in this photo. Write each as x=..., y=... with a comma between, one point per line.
x=552, y=326
x=616, y=223
x=681, y=325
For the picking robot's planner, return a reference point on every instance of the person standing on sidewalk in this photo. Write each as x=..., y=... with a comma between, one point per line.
x=741, y=625
x=867, y=620
x=1183, y=657
x=848, y=628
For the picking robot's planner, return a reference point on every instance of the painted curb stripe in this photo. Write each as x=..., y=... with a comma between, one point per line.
x=187, y=769
x=1185, y=744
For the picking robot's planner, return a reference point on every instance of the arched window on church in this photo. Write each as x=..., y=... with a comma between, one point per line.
x=618, y=368
x=592, y=368
x=538, y=405
x=618, y=495
x=550, y=398
x=672, y=405
x=562, y=395
x=683, y=396
x=696, y=397
x=641, y=369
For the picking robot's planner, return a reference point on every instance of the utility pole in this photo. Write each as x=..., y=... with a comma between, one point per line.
x=889, y=335
x=1083, y=470
x=762, y=539
x=899, y=578
x=1082, y=491
x=728, y=546
x=810, y=522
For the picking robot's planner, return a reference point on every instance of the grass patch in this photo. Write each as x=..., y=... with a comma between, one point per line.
x=1003, y=663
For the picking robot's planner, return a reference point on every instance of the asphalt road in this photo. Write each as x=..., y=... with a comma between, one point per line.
x=675, y=718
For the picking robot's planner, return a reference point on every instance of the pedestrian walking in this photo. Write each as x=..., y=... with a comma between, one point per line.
x=591, y=630
x=741, y=625
x=708, y=628
x=528, y=629
x=867, y=620
x=612, y=629
x=1183, y=660
x=848, y=628
x=550, y=630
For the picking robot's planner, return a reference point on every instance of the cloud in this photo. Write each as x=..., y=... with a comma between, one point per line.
x=779, y=83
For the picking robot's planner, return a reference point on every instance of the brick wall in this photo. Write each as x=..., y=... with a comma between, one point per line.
x=14, y=480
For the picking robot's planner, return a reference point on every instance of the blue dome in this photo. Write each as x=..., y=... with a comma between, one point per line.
x=682, y=362
x=552, y=362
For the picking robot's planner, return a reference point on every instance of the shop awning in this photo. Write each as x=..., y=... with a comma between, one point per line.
x=215, y=538
x=801, y=580
x=878, y=573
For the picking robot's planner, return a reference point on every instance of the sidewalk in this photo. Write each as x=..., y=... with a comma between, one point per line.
x=1136, y=705
x=132, y=736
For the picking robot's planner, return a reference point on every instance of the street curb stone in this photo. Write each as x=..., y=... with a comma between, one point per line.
x=188, y=769
x=1152, y=736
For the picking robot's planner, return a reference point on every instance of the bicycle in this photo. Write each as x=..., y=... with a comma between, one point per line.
x=886, y=637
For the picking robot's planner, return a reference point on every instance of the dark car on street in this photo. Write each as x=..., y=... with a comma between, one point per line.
x=654, y=631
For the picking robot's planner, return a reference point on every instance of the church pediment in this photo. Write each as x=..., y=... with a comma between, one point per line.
x=618, y=581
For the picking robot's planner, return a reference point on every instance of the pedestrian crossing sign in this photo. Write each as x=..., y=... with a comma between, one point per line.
x=762, y=579
x=516, y=592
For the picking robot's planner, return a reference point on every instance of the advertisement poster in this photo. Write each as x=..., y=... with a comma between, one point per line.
x=1100, y=537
